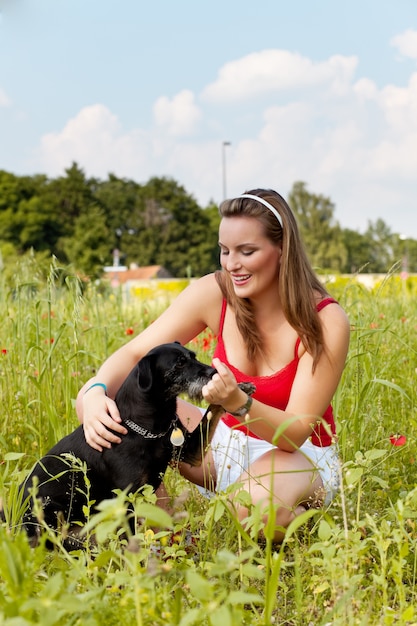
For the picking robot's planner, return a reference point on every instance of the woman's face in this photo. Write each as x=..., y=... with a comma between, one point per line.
x=250, y=258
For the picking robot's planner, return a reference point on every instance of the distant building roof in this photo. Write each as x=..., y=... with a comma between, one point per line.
x=123, y=275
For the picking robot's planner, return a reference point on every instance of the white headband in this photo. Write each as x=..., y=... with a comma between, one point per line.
x=265, y=203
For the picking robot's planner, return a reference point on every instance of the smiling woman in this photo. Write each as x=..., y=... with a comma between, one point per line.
x=249, y=258
x=277, y=328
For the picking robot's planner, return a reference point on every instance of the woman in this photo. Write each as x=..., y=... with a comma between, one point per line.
x=277, y=327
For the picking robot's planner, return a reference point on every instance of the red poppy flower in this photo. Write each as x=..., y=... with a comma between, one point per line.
x=45, y=316
x=129, y=331
x=398, y=440
x=3, y=351
x=206, y=343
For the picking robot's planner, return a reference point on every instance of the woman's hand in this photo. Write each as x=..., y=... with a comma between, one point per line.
x=100, y=414
x=222, y=389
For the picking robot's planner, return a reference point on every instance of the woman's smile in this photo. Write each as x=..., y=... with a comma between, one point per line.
x=240, y=279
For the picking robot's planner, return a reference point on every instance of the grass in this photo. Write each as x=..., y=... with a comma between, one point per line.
x=353, y=563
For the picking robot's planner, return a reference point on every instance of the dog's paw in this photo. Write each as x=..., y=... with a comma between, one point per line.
x=248, y=388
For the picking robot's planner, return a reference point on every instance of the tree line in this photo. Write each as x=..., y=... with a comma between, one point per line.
x=82, y=221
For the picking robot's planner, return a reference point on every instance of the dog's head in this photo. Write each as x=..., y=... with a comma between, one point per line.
x=173, y=370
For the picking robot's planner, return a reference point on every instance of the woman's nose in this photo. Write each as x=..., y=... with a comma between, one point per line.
x=233, y=262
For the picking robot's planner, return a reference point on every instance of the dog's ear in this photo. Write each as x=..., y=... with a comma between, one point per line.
x=145, y=377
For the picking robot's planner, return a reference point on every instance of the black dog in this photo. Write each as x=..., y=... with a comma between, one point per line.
x=147, y=405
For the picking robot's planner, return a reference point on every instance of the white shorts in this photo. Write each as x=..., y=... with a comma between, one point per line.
x=234, y=451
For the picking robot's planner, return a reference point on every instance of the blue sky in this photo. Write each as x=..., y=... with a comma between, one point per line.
x=319, y=91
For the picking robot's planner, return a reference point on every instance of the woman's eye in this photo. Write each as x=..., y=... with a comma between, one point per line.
x=247, y=252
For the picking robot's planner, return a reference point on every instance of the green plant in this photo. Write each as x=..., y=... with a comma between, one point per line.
x=352, y=563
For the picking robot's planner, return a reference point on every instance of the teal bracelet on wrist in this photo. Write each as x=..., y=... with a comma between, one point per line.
x=97, y=385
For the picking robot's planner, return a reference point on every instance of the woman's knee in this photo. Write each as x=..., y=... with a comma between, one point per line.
x=256, y=517
x=281, y=485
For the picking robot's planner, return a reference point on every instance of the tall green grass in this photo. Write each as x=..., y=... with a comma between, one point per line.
x=352, y=563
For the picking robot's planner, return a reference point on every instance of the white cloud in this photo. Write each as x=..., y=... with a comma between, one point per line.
x=365, y=89
x=406, y=43
x=400, y=106
x=277, y=70
x=94, y=139
x=349, y=140
x=4, y=99
x=179, y=115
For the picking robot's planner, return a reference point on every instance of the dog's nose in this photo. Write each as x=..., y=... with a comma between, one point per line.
x=212, y=372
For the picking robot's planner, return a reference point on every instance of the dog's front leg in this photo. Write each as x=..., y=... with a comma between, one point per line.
x=196, y=443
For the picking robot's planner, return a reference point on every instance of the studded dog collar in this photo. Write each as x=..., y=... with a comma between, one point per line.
x=177, y=436
x=147, y=434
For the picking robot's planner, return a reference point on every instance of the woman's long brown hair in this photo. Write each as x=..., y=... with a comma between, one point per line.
x=298, y=285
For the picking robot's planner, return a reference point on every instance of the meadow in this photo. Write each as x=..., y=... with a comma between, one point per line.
x=353, y=563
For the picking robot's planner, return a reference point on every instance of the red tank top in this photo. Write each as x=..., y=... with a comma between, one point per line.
x=275, y=390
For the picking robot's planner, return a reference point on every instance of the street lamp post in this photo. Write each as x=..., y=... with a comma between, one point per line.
x=224, y=146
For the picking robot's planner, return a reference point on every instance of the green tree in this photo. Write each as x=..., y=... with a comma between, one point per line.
x=20, y=212
x=381, y=241
x=72, y=195
x=39, y=228
x=321, y=234
x=213, y=215
x=87, y=248
x=359, y=252
x=172, y=230
x=121, y=202
x=82, y=220
x=405, y=253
